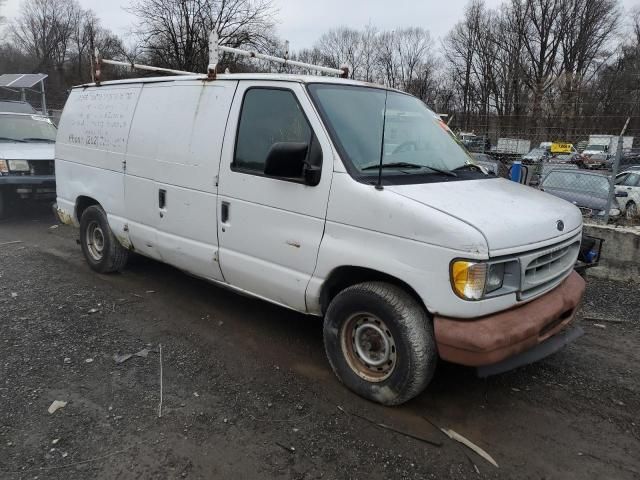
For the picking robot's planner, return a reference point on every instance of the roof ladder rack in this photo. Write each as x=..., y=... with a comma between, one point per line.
x=214, y=52
x=215, y=48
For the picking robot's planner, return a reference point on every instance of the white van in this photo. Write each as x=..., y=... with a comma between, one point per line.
x=271, y=185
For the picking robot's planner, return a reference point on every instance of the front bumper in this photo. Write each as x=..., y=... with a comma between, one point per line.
x=494, y=338
x=23, y=180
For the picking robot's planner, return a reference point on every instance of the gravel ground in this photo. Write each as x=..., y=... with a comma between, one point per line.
x=248, y=393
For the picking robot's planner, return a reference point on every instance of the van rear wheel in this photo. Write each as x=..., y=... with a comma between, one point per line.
x=100, y=247
x=380, y=342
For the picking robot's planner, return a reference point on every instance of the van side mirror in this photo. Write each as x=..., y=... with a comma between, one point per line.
x=289, y=160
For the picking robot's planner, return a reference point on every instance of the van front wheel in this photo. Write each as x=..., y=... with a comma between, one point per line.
x=100, y=247
x=380, y=342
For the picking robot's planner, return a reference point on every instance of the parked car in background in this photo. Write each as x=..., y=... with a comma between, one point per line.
x=574, y=158
x=631, y=156
x=14, y=106
x=628, y=192
x=492, y=165
x=26, y=158
x=588, y=191
x=597, y=161
x=538, y=154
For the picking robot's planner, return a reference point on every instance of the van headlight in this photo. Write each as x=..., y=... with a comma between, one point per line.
x=474, y=280
x=3, y=166
x=18, y=165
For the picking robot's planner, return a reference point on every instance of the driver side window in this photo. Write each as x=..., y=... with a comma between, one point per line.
x=268, y=116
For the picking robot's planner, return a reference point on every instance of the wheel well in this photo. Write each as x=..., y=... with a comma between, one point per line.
x=344, y=277
x=82, y=203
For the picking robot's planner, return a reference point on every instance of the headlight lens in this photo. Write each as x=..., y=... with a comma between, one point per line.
x=495, y=277
x=468, y=279
x=473, y=280
x=18, y=165
x=3, y=166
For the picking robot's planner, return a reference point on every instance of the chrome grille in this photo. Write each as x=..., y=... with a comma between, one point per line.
x=545, y=268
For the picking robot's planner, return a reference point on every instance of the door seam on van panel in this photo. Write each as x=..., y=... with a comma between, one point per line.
x=219, y=176
x=324, y=229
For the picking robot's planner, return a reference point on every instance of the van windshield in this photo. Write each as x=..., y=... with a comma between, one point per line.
x=366, y=122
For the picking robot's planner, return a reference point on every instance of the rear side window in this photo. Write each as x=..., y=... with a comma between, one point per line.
x=268, y=116
x=620, y=179
x=632, y=180
x=578, y=182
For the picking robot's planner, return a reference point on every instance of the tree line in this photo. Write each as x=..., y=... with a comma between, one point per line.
x=544, y=67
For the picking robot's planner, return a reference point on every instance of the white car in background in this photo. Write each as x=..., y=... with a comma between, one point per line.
x=628, y=193
x=27, y=165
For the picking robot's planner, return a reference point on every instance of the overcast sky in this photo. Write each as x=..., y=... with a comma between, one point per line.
x=303, y=21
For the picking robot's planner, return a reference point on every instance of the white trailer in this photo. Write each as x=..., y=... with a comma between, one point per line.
x=513, y=146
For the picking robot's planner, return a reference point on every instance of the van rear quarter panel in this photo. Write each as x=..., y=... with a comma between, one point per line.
x=91, y=146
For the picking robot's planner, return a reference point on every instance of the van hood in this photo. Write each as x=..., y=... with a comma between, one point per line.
x=507, y=214
x=27, y=151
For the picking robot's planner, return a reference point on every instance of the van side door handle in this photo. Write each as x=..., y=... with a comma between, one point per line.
x=224, y=212
x=162, y=201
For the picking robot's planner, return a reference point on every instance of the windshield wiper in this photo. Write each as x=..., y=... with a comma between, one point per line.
x=448, y=173
x=468, y=166
x=393, y=165
x=8, y=139
x=37, y=139
x=410, y=165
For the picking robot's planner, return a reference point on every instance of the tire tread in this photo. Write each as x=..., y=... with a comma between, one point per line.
x=418, y=329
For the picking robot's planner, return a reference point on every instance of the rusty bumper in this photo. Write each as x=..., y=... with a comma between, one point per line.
x=493, y=338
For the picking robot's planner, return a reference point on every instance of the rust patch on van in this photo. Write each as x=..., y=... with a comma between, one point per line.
x=64, y=217
x=124, y=241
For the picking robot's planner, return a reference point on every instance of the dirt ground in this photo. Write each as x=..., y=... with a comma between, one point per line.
x=247, y=391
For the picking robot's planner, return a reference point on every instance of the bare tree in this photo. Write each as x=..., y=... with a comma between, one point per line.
x=545, y=25
x=343, y=46
x=590, y=25
x=44, y=29
x=460, y=50
x=175, y=33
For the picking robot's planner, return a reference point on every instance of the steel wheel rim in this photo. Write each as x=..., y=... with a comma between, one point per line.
x=368, y=346
x=94, y=239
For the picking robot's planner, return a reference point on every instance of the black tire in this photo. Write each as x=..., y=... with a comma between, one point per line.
x=100, y=247
x=371, y=308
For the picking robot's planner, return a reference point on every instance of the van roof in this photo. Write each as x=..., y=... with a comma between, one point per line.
x=278, y=77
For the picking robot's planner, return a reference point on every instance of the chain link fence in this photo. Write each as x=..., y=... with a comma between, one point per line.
x=593, y=168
